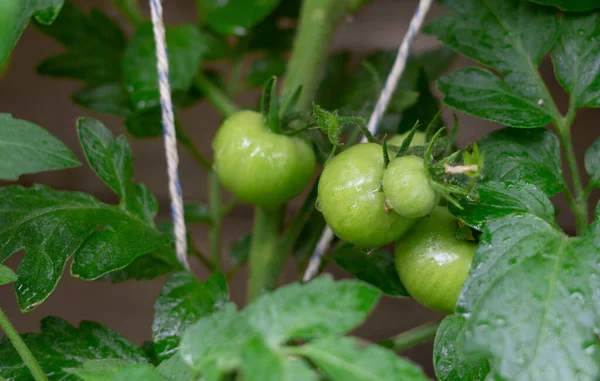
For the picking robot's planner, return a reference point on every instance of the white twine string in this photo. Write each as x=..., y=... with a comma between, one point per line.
x=384, y=98
x=169, y=132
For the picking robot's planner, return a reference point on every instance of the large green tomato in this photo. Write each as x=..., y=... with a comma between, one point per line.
x=258, y=166
x=418, y=139
x=432, y=263
x=352, y=201
x=406, y=187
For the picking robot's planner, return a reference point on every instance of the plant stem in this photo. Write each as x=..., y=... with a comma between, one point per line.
x=214, y=211
x=412, y=337
x=16, y=340
x=578, y=201
x=318, y=20
x=215, y=96
x=233, y=83
x=263, y=262
x=131, y=10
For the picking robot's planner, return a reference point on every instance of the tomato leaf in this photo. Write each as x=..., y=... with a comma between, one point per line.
x=14, y=17
x=569, y=5
x=345, y=359
x=94, y=47
x=98, y=370
x=144, y=372
x=182, y=301
x=592, y=162
x=318, y=308
x=186, y=48
x=109, y=98
x=6, y=275
x=264, y=68
x=298, y=370
x=234, y=16
x=28, y=148
x=175, y=369
x=510, y=36
x=240, y=250
x=498, y=199
x=376, y=267
x=529, y=156
x=60, y=347
x=576, y=58
x=449, y=363
x=530, y=301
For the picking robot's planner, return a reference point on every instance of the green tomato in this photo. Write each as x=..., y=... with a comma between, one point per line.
x=432, y=263
x=406, y=187
x=352, y=201
x=258, y=166
x=418, y=139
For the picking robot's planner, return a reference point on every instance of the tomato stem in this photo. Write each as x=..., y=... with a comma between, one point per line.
x=410, y=338
x=16, y=340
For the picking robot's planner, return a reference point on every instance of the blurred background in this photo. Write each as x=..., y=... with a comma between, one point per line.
x=127, y=307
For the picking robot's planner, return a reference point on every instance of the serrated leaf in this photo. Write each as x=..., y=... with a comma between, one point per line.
x=376, y=267
x=592, y=162
x=6, y=275
x=99, y=370
x=28, y=148
x=510, y=36
x=60, y=347
x=54, y=225
x=449, y=363
x=112, y=161
x=234, y=16
x=186, y=47
x=498, y=199
x=14, y=17
x=480, y=93
x=318, y=308
x=94, y=46
x=240, y=250
x=570, y=5
x=576, y=58
x=529, y=156
x=182, y=301
x=345, y=359
x=109, y=98
x=531, y=301
x=175, y=369
x=145, y=267
x=264, y=68
x=140, y=372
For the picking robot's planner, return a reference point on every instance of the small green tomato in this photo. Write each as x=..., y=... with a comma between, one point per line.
x=418, y=139
x=258, y=166
x=432, y=263
x=406, y=187
x=352, y=201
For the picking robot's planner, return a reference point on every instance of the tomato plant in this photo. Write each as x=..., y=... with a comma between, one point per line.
x=466, y=228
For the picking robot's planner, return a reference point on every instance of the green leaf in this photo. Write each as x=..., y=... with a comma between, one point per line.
x=275, y=33
x=145, y=267
x=376, y=267
x=498, y=199
x=175, y=369
x=260, y=362
x=6, y=275
x=196, y=214
x=449, y=363
x=263, y=68
x=345, y=359
x=61, y=347
x=592, y=162
x=529, y=156
x=109, y=98
x=318, y=308
x=333, y=81
x=112, y=161
x=182, y=301
x=28, y=148
x=186, y=47
x=94, y=47
x=531, y=301
x=570, y=5
x=54, y=225
x=234, y=16
x=424, y=111
x=579, y=77
x=99, y=370
x=145, y=372
x=240, y=250
x=510, y=36
x=14, y=17
x=298, y=370
x=145, y=123
x=480, y=93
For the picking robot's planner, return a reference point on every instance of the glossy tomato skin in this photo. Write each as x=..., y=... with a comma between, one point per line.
x=432, y=263
x=258, y=166
x=406, y=187
x=352, y=201
x=418, y=139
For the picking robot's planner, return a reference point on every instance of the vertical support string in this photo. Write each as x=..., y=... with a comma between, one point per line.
x=170, y=137
x=384, y=98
